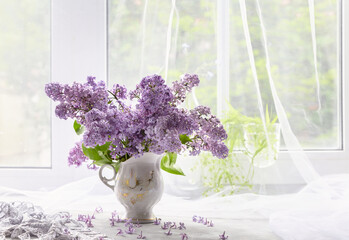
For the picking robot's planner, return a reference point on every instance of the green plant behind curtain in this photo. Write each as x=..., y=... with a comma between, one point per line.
x=237, y=170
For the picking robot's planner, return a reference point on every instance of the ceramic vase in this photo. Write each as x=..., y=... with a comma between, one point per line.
x=138, y=186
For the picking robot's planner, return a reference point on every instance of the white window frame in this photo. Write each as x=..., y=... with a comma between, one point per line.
x=79, y=45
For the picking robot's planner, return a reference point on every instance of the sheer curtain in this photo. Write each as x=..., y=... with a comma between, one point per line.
x=257, y=56
x=276, y=56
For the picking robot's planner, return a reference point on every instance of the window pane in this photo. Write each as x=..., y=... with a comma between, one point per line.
x=137, y=47
x=312, y=107
x=24, y=70
x=138, y=42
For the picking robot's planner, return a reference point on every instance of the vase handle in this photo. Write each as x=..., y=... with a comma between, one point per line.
x=107, y=180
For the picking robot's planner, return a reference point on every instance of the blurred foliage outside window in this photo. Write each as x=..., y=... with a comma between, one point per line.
x=138, y=33
x=24, y=69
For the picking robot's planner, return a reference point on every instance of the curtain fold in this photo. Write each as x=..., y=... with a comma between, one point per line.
x=274, y=68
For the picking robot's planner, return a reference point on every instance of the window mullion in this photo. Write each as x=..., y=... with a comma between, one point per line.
x=223, y=50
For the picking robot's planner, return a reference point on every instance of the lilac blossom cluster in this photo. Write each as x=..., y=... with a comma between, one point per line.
x=76, y=156
x=155, y=123
x=76, y=100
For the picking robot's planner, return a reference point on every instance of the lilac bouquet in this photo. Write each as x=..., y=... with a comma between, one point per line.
x=118, y=124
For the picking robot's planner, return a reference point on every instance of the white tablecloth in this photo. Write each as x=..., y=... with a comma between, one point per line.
x=314, y=213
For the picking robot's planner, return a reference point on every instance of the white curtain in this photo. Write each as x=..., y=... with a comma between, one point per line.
x=258, y=56
x=280, y=55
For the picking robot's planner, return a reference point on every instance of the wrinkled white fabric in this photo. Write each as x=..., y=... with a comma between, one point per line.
x=313, y=213
x=24, y=220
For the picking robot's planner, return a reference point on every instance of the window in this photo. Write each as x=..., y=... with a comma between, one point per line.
x=78, y=48
x=207, y=38
x=24, y=69
x=122, y=41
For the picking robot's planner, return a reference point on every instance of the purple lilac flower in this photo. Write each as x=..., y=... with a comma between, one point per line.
x=130, y=230
x=157, y=221
x=82, y=218
x=201, y=220
x=153, y=95
x=210, y=224
x=66, y=215
x=119, y=220
x=128, y=222
x=173, y=226
x=223, y=237
x=92, y=166
x=180, y=88
x=114, y=214
x=77, y=99
x=89, y=221
x=165, y=226
x=76, y=156
x=210, y=135
x=112, y=222
x=120, y=232
x=99, y=210
x=140, y=236
x=119, y=91
x=153, y=124
x=181, y=226
x=86, y=219
x=168, y=233
x=55, y=91
x=114, y=218
x=184, y=236
x=137, y=225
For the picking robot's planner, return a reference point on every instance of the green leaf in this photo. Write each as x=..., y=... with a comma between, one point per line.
x=116, y=166
x=172, y=158
x=104, y=147
x=267, y=120
x=79, y=129
x=274, y=120
x=262, y=146
x=168, y=162
x=91, y=153
x=184, y=138
x=102, y=162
